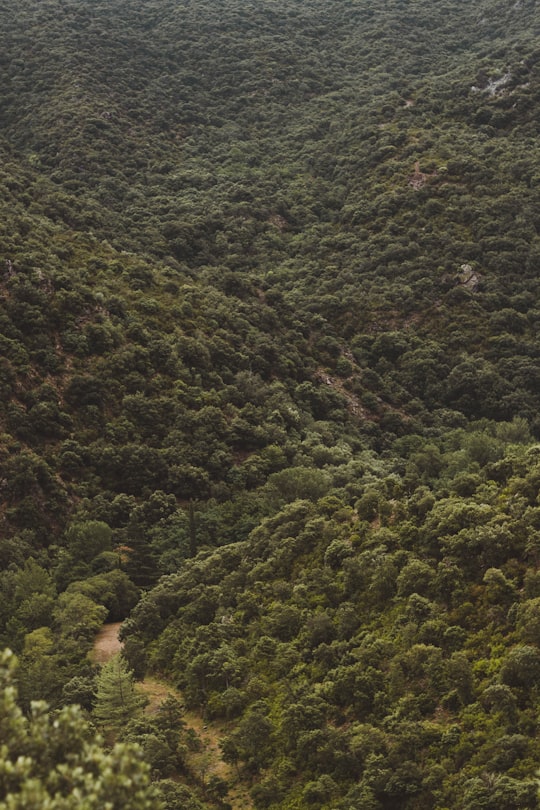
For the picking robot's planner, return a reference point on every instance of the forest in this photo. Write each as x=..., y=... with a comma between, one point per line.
x=270, y=397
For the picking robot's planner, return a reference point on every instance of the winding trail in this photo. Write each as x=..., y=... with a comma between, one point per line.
x=204, y=764
x=107, y=644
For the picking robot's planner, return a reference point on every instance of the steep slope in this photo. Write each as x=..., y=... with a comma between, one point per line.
x=272, y=268
x=335, y=209
x=379, y=656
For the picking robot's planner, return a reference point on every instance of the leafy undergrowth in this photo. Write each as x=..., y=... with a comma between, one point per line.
x=383, y=654
x=206, y=760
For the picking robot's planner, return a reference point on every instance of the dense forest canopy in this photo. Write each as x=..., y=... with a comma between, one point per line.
x=270, y=385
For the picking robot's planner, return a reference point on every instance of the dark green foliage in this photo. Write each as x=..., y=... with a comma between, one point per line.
x=269, y=354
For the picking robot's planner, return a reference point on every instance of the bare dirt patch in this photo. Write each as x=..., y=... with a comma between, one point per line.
x=107, y=643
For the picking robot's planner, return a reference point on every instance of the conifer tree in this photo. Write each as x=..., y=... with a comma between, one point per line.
x=117, y=700
x=55, y=761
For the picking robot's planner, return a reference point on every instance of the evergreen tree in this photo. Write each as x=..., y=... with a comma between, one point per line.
x=117, y=701
x=56, y=762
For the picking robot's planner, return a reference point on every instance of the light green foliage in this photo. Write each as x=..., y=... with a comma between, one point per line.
x=85, y=541
x=78, y=615
x=112, y=590
x=326, y=625
x=55, y=762
x=117, y=700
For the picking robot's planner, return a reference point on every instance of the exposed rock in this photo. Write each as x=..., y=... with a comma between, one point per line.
x=418, y=178
x=492, y=86
x=469, y=278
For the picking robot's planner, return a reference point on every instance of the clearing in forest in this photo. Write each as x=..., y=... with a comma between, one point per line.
x=205, y=763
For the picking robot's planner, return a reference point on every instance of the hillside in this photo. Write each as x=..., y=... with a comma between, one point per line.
x=270, y=383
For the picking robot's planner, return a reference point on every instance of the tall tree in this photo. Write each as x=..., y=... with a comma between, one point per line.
x=117, y=700
x=56, y=762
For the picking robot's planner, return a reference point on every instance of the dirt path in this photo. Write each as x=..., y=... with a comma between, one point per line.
x=107, y=643
x=206, y=763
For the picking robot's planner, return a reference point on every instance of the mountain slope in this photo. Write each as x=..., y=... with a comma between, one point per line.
x=268, y=283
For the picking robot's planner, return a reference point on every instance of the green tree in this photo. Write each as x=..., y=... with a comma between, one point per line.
x=78, y=617
x=40, y=672
x=252, y=740
x=89, y=539
x=56, y=761
x=113, y=589
x=116, y=698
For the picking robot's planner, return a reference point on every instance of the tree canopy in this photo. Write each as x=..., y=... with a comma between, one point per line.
x=56, y=761
x=269, y=392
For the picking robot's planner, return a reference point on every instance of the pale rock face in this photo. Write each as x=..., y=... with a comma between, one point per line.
x=468, y=277
x=493, y=86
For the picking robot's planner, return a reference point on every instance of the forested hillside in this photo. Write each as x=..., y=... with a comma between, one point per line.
x=270, y=388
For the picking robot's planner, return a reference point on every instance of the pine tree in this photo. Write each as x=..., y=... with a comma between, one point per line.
x=117, y=700
x=55, y=761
